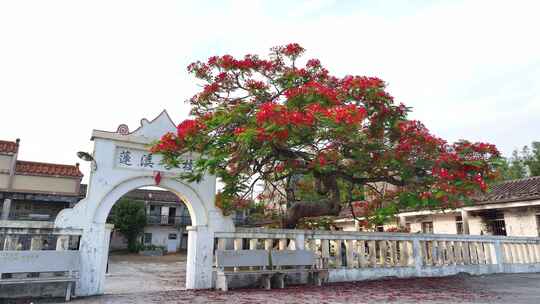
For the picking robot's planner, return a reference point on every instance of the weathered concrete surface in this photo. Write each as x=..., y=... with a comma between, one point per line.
x=135, y=273
x=137, y=279
x=503, y=288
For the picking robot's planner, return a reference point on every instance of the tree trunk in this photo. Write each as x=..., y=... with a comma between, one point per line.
x=330, y=207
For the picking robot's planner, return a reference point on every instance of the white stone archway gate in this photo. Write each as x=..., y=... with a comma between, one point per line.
x=122, y=163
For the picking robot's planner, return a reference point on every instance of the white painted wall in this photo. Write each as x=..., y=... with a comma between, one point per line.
x=160, y=235
x=445, y=223
x=520, y=222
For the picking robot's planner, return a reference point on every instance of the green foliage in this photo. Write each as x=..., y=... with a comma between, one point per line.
x=522, y=163
x=129, y=218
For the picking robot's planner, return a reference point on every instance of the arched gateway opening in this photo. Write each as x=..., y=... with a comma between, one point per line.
x=122, y=163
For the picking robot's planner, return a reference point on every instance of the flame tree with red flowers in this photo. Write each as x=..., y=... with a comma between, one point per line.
x=272, y=120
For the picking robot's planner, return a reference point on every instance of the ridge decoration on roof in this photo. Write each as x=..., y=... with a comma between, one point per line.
x=10, y=147
x=148, y=132
x=47, y=169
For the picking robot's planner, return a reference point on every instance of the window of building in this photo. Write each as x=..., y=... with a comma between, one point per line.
x=148, y=238
x=427, y=227
x=495, y=223
x=459, y=224
x=172, y=236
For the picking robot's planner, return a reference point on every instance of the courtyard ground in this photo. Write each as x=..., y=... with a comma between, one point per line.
x=136, y=279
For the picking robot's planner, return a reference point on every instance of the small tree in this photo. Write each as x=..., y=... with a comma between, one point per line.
x=129, y=217
x=273, y=119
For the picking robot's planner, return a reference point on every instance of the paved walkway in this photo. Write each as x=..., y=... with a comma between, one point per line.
x=134, y=279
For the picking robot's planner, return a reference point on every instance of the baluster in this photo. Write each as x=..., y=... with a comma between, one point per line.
x=282, y=244
x=268, y=244
x=338, y=251
x=11, y=242
x=299, y=242
x=393, y=253
x=466, y=253
x=383, y=249
x=536, y=249
x=238, y=245
x=481, y=254
x=436, y=252
x=36, y=243
x=450, y=252
x=443, y=254
x=361, y=245
x=526, y=254
x=509, y=253
x=404, y=253
x=350, y=253
x=425, y=253
x=222, y=244
x=516, y=252
x=530, y=250
x=474, y=253
x=458, y=252
x=372, y=254
x=62, y=242
x=325, y=248
x=253, y=246
x=488, y=253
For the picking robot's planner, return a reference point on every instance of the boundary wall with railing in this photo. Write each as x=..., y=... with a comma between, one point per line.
x=353, y=256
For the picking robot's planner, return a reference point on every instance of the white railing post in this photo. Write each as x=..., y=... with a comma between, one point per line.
x=36, y=243
x=499, y=256
x=299, y=241
x=418, y=258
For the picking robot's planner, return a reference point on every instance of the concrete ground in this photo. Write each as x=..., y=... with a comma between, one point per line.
x=135, y=279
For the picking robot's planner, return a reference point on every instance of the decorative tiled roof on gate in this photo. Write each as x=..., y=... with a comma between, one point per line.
x=35, y=168
x=523, y=189
x=8, y=146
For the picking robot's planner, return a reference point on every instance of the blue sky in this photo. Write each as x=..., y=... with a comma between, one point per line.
x=470, y=69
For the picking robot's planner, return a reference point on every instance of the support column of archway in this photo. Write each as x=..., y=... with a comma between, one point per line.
x=94, y=250
x=199, y=257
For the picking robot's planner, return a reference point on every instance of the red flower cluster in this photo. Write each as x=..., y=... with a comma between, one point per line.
x=349, y=83
x=315, y=88
x=189, y=127
x=228, y=62
x=298, y=118
x=239, y=130
x=415, y=137
x=167, y=143
x=349, y=114
x=272, y=112
x=293, y=50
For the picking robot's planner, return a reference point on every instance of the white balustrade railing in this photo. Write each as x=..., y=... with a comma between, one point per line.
x=20, y=236
x=363, y=255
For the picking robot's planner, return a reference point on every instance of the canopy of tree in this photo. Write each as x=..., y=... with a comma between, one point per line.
x=129, y=218
x=270, y=120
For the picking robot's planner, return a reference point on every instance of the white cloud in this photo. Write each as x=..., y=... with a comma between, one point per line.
x=470, y=69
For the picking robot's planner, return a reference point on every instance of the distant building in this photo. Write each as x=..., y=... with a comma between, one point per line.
x=35, y=190
x=509, y=208
x=167, y=218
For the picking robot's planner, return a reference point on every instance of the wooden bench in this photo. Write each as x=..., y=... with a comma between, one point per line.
x=287, y=262
x=60, y=266
x=267, y=265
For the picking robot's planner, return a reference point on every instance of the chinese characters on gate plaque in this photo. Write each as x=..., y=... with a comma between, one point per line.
x=140, y=159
